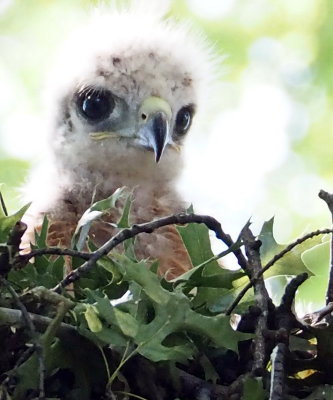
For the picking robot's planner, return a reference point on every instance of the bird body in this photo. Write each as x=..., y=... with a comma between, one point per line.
x=122, y=101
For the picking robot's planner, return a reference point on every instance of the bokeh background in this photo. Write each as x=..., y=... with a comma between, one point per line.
x=267, y=143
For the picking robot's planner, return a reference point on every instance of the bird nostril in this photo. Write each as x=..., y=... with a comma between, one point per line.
x=143, y=116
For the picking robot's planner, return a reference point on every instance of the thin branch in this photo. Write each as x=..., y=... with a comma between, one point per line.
x=252, y=248
x=149, y=227
x=12, y=317
x=270, y=263
x=277, y=390
x=328, y=198
x=54, y=251
x=314, y=318
x=3, y=205
x=34, y=336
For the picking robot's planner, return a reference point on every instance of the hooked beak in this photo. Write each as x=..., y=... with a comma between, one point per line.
x=155, y=115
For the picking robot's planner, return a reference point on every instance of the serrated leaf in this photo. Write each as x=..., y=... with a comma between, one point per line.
x=173, y=313
x=208, y=274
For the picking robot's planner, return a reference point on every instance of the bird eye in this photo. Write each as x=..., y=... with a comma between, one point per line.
x=183, y=120
x=95, y=105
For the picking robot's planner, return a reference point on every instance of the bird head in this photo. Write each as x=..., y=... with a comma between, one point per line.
x=126, y=94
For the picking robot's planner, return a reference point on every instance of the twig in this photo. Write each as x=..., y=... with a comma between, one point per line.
x=12, y=317
x=277, y=390
x=54, y=251
x=34, y=336
x=328, y=198
x=3, y=205
x=276, y=258
x=149, y=227
x=252, y=248
x=314, y=318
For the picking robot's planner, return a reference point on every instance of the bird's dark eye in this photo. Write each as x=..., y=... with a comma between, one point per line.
x=95, y=105
x=183, y=120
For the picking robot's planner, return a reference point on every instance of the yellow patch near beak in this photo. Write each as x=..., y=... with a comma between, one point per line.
x=175, y=147
x=103, y=135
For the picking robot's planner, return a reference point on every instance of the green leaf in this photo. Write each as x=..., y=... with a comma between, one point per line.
x=291, y=263
x=310, y=295
x=96, y=211
x=109, y=265
x=253, y=389
x=109, y=203
x=41, y=238
x=124, y=219
x=94, y=323
x=7, y=223
x=197, y=242
x=317, y=259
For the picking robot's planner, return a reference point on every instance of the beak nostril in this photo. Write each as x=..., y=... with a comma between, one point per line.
x=143, y=116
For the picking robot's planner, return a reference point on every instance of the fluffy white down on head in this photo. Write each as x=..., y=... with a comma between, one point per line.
x=134, y=53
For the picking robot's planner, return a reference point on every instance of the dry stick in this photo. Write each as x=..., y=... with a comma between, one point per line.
x=13, y=317
x=270, y=263
x=277, y=390
x=252, y=249
x=31, y=327
x=54, y=251
x=328, y=198
x=285, y=320
x=149, y=227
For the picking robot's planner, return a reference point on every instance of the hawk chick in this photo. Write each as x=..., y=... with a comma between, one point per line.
x=122, y=102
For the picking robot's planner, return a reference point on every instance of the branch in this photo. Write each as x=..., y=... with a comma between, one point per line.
x=149, y=227
x=278, y=356
x=54, y=251
x=314, y=318
x=252, y=248
x=270, y=263
x=11, y=317
x=328, y=198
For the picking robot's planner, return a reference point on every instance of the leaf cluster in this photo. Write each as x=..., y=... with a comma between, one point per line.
x=123, y=331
